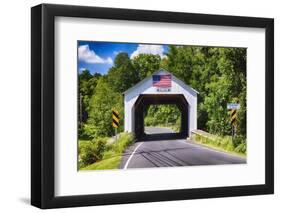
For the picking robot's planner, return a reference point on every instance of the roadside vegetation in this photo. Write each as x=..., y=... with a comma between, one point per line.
x=226, y=143
x=99, y=154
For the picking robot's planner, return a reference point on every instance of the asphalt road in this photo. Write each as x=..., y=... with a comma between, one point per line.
x=157, y=130
x=171, y=153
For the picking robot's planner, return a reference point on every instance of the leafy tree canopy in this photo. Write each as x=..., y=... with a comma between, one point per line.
x=219, y=74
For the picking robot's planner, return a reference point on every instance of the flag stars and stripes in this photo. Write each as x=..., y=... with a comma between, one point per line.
x=162, y=81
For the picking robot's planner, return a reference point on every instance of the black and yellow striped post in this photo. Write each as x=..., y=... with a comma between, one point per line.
x=233, y=109
x=115, y=121
x=233, y=117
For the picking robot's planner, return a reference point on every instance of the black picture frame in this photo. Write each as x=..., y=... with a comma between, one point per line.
x=43, y=117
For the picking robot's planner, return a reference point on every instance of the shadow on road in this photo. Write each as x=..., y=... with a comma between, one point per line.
x=161, y=136
x=174, y=153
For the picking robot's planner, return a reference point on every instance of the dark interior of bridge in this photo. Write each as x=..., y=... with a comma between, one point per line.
x=144, y=101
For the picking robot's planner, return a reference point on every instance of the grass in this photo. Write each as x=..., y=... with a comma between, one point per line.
x=221, y=143
x=110, y=163
x=97, y=155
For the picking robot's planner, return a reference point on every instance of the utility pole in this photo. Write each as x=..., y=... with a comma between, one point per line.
x=80, y=109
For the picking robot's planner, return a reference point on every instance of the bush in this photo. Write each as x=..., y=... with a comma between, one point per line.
x=86, y=132
x=240, y=144
x=96, y=150
x=149, y=121
x=225, y=143
x=238, y=140
x=91, y=151
x=242, y=148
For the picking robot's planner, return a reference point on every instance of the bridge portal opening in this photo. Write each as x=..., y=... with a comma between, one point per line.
x=145, y=104
x=162, y=118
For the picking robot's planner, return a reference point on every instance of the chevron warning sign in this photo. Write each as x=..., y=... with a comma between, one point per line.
x=115, y=119
x=233, y=117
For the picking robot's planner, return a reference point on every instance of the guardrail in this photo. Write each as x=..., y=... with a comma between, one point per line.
x=224, y=143
x=201, y=136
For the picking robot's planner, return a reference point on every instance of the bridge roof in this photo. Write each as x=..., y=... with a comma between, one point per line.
x=162, y=71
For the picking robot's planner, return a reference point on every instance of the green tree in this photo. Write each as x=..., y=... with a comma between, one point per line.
x=227, y=84
x=219, y=74
x=85, y=75
x=87, y=84
x=180, y=61
x=122, y=75
x=101, y=104
x=146, y=64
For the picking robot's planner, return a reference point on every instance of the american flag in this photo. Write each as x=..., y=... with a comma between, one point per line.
x=161, y=81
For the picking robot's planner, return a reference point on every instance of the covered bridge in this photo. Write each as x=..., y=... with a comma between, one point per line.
x=160, y=88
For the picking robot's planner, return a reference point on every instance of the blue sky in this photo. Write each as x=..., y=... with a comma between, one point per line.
x=99, y=56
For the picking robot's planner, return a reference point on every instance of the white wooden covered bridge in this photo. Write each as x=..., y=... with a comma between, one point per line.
x=160, y=88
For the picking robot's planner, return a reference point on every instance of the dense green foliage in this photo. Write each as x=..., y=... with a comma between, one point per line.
x=100, y=113
x=122, y=75
x=87, y=84
x=218, y=74
x=146, y=64
x=99, y=154
x=91, y=151
x=167, y=115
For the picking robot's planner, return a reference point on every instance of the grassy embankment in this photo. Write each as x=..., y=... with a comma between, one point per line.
x=98, y=154
x=175, y=126
x=223, y=143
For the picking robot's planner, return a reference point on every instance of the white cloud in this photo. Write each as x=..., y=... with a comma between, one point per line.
x=89, y=56
x=149, y=49
x=117, y=52
x=82, y=69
